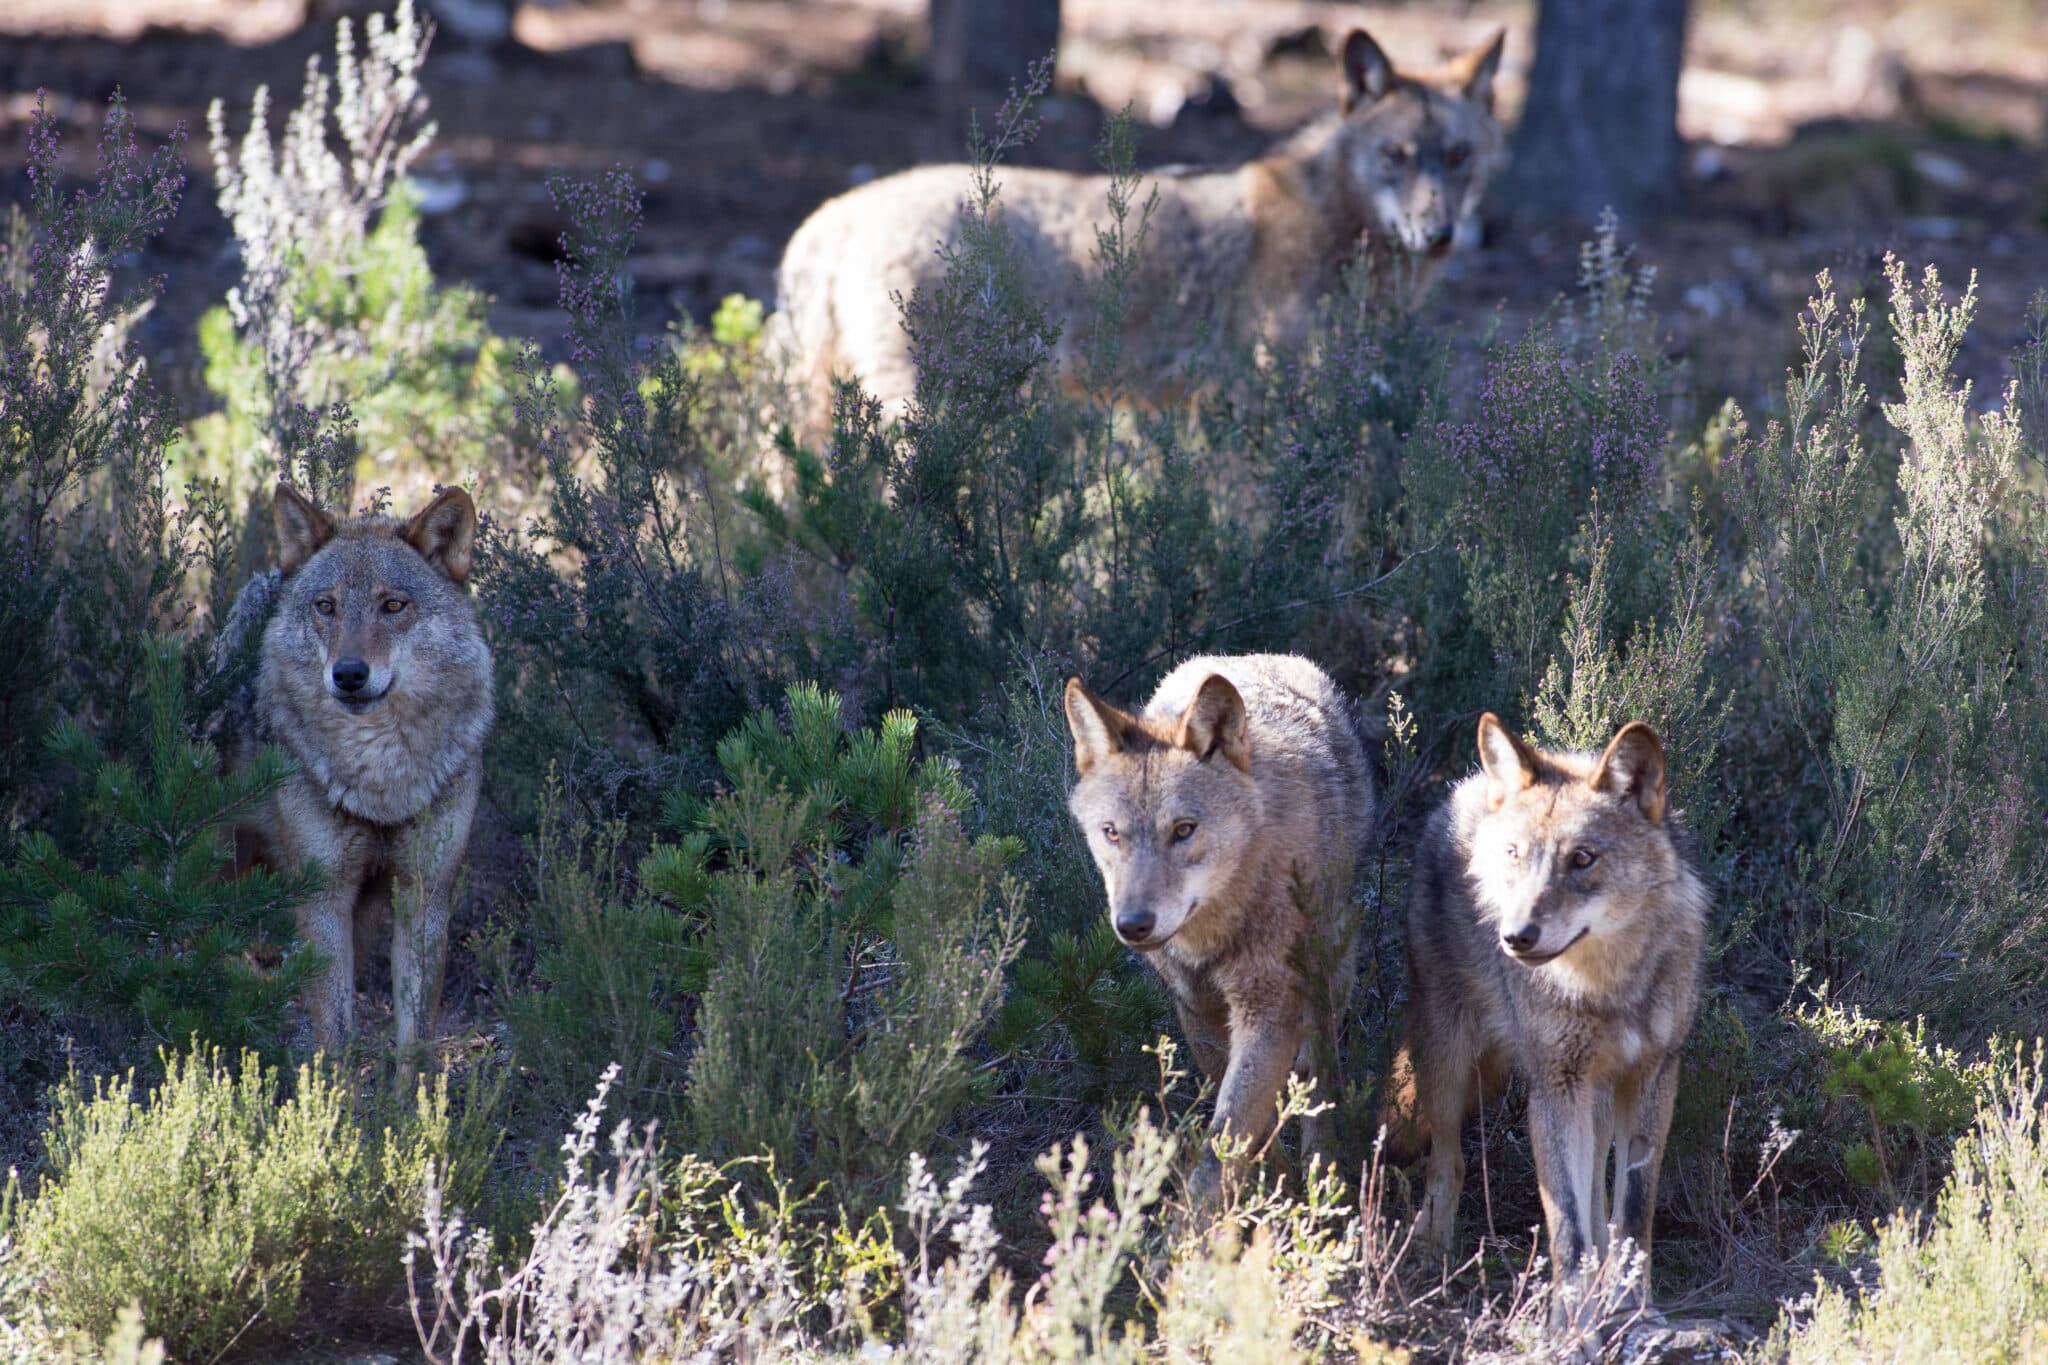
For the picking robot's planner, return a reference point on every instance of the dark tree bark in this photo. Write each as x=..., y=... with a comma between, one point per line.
x=989, y=43
x=1600, y=127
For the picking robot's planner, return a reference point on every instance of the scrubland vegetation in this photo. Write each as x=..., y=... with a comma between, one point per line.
x=779, y=914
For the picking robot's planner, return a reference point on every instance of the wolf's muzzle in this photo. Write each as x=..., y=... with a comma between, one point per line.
x=1520, y=944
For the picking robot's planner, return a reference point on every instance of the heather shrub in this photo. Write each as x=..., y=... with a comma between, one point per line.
x=628, y=640
x=227, y=1205
x=138, y=924
x=1965, y=1283
x=90, y=550
x=336, y=302
x=1909, y=665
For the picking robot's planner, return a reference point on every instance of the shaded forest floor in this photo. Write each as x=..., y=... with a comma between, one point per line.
x=1821, y=135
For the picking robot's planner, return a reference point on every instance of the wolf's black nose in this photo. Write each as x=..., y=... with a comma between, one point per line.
x=1523, y=939
x=1134, y=926
x=1439, y=238
x=351, y=674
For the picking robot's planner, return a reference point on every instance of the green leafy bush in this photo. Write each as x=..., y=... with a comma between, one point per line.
x=611, y=971
x=837, y=937
x=227, y=1206
x=857, y=941
x=336, y=302
x=1915, y=1096
x=141, y=923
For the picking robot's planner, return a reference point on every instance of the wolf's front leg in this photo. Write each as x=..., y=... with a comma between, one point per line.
x=1563, y=1131
x=1317, y=1063
x=1641, y=1145
x=327, y=927
x=430, y=860
x=1262, y=1053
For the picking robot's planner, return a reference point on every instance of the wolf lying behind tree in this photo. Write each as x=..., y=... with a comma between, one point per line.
x=1227, y=819
x=375, y=678
x=1249, y=250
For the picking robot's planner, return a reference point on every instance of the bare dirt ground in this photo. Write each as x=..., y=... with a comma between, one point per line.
x=1823, y=133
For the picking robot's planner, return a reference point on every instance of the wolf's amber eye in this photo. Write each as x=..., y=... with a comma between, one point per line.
x=1514, y=854
x=1395, y=154
x=1585, y=857
x=324, y=605
x=1183, y=830
x=393, y=605
x=1109, y=833
x=1457, y=154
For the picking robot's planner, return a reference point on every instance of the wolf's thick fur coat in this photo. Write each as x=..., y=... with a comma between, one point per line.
x=388, y=775
x=1227, y=818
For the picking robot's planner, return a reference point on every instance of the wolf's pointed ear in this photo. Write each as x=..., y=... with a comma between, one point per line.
x=1473, y=72
x=1367, y=72
x=445, y=533
x=1504, y=758
x=301, y=528
x=1634, y=766
x=1215, y=723
x=1098, y=728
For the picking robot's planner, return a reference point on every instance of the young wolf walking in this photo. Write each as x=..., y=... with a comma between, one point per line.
x=1554, y=932
x=1250, y=250
x=375, y=678
x=1226, y=819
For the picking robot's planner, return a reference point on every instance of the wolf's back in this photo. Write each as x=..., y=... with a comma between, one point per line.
x=237, y=660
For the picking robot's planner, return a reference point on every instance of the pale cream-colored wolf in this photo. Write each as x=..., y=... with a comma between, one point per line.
x=1248, y=250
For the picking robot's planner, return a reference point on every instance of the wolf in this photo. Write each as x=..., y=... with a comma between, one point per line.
x=373, y=675
x=1555, y=926
x=1226, y=819
x=1250, y=250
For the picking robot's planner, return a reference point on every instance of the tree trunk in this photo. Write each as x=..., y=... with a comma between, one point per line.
x=1600, y=127
x=989, y=43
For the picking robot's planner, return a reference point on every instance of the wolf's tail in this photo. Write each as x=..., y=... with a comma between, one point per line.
x=1401, y=1112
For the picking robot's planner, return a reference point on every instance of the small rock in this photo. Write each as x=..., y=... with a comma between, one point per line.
x=1944, y=171
x=656, y=171
x=436, y=194
x=1708, y=165
x=1703, y=298
x=1684, y=1341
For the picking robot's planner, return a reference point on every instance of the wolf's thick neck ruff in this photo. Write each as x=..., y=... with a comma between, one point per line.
x=373, y=764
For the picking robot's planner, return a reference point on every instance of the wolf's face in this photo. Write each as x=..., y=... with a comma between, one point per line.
x=1416, y=150
x=1168, y=806
x=366, y=598
x=1569, y=852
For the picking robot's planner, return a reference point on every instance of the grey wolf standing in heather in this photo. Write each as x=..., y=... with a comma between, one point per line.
x=375, y=677
x=1226, y=819
x=1250, y=249
x=1554, y=931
